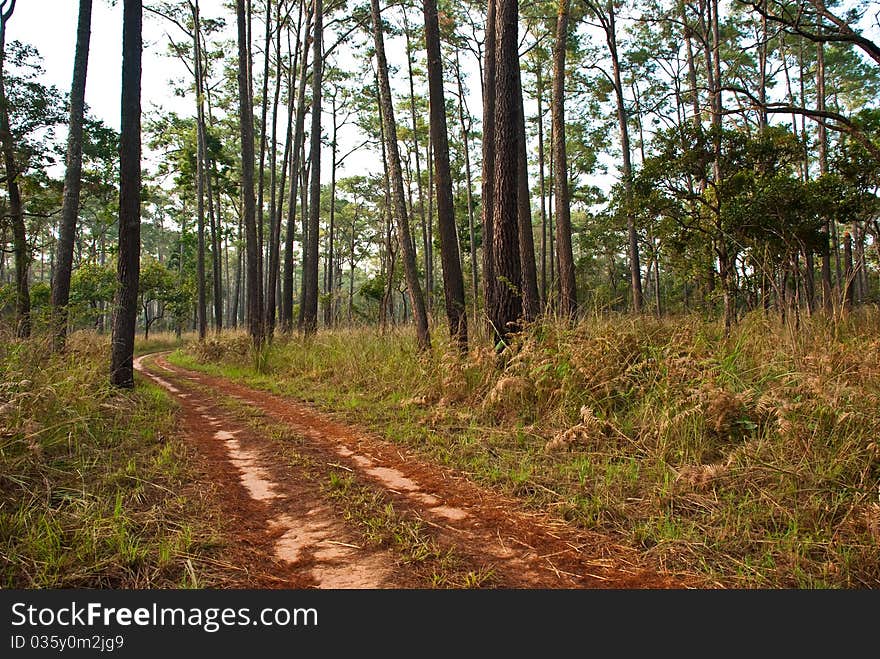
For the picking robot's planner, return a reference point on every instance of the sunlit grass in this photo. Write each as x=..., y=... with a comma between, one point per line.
x=95, y=490
x=751, y=458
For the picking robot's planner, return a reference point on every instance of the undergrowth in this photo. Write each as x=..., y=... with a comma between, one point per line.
x=95, y=491
x=753, y=459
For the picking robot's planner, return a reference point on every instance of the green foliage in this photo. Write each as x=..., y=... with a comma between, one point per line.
x=159, y=284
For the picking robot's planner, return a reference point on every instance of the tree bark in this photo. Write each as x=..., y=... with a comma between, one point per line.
x=201, y=159
x=565, y=256
x=398, y=196
x=310, y=301
x=246, y=128
x=827, y=287
x=475, y=275
x=275, y=203
x=506, y=310
x=542, y=185
x=330, y=264
x=453, y=280
x=626, y=163
x=261, y=174
x=16, y=212
x=72, y=175
x=412, y=110
x=128, y=267
x=530, y=299
x=298, y=138
x=488, y=167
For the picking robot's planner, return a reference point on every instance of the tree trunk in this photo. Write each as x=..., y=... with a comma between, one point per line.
x=398, y=195
x=310, y=301
x=72, y=176
x=275, y=203
x=415, y=129
x=626, y=164
x=261, y=176
x=565, y=256
x=246, y=128
x=542, y=184
x=330, y=263
x=530, y=300
x=453, y=280
x=299, y=134
x=305, y=174
x=488, y=167
x=201, y=159
x=506, y=309
x=475, y=276
x=16, y=212
x=827, y=288
x=128, y=268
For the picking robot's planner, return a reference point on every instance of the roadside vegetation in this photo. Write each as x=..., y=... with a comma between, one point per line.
x=751, y=459
x=96, y=491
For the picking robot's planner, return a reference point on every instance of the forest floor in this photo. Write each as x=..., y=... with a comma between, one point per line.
x=310, y=502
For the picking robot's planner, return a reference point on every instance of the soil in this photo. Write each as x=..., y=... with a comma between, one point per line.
x=284, y=530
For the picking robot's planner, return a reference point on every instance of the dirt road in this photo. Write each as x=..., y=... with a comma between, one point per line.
x=309, y=502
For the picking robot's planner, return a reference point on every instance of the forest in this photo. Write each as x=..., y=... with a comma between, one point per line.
x=616, y=263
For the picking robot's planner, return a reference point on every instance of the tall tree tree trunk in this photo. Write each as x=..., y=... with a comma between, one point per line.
x=351, y=257
x=239, y=264
x=453, y=280
x=201, y=175
x=827, y=287
x=305, y=176
x=475, y=275
x=275, y=204
x=626, y=162
x=215, y=214
x=488, y=167
x=724, y=247
x=530, y=300
x=506, y=309
x=246, y=128
x=542, y=184
x=298, y=138
x=310, y=301
x=128, y=268
x=565, y=256
x=261, y=176
x=398, y=195
x=72, y=176
x=331, y=234
x=16, y=212
x=385, y=307
x=415, y=129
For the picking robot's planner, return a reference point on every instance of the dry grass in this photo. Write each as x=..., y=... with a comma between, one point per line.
x=95, y=491
x=751, y=458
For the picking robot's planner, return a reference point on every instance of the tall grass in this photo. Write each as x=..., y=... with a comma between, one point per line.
x=752, y=458
x=94, y=488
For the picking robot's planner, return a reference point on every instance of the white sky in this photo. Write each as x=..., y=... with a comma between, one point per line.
x=54, y=36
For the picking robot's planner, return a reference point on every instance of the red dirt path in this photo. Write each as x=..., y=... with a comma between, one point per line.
x=286, y=532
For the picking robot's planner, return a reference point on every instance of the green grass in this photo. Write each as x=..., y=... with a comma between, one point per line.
x=751, y=459
x=95, y=490
x=159, y=341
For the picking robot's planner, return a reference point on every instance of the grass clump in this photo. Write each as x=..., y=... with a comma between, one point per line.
x=94, y=489
x=751, y=458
